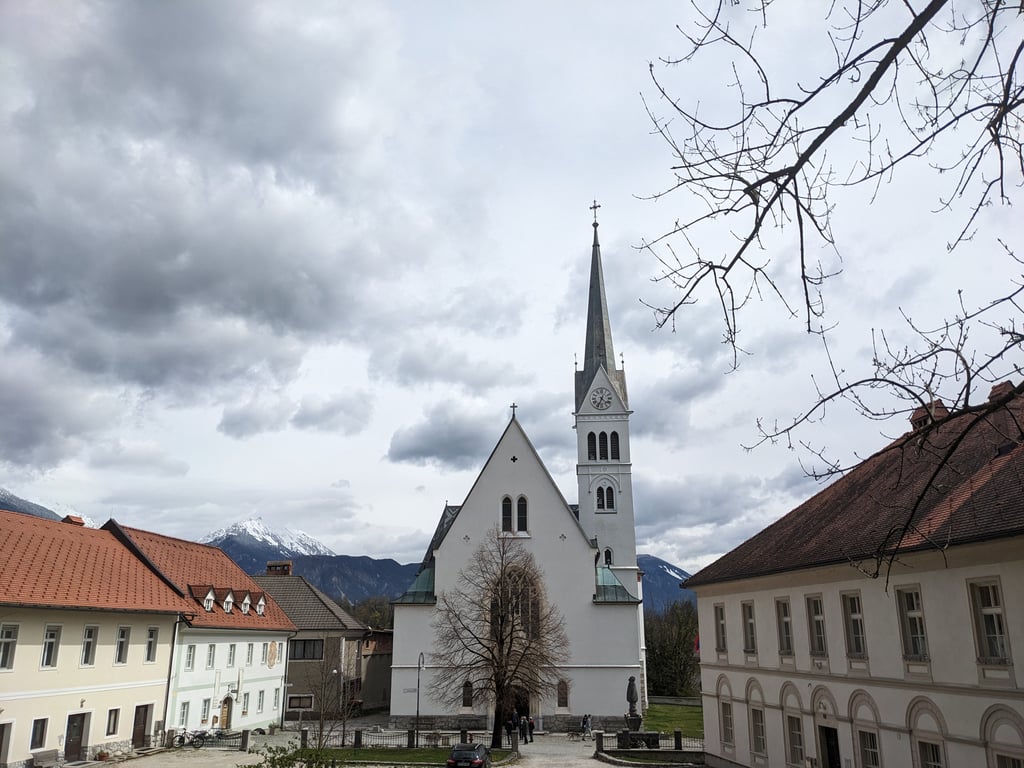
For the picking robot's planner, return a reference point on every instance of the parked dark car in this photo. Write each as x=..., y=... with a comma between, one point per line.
x=469, y=756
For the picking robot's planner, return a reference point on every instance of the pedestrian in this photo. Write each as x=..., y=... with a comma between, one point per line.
x=523, y=723
x=508, y=731
x=587, y=734
x=531, y=729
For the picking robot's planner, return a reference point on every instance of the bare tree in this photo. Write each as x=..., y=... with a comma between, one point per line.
x=334, y=696
x=497, y=633
x=929, y=83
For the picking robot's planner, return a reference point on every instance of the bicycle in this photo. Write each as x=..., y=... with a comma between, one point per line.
x=195, y=739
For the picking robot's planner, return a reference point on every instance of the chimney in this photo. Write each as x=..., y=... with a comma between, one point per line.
x=73, y=520
x=1002, y=389
x=279, y=568
x=926, y=414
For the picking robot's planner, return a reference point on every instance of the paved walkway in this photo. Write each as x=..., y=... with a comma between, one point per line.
x=548, y=749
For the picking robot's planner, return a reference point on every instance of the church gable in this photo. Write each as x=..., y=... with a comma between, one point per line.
x=603, y=395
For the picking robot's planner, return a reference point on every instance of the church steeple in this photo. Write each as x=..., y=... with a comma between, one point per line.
x=598, y=351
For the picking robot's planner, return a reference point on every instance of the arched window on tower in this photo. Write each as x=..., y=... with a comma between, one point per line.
x=615, y=446
x=591, y=447
x=600, y=497
x=522, y=521
x=609, y=498
x=506, y=515
x=603, y=443
x=467, y=694
x=608, y=557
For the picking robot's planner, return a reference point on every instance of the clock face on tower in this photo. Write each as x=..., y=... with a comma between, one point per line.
x=601, y=398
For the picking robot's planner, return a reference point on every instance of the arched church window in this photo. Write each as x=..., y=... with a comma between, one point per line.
x=615, y=446
x=608, y=557
x=603, y=444
x=563, y=694
x=515, y=607
x=592, y=447
x=506, y=515
x=600, y=497
x=522, y=515
x=609, y=498
x=467, y=694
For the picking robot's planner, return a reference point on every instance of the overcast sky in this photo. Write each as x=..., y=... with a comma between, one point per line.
x=296, y=260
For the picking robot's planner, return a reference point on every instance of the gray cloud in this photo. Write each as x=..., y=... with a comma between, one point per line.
x=267, y=414
x=345, y=414
x=143, y=458
x=452, y=435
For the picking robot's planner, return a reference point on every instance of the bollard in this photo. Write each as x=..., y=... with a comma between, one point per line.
x=357, y=741
x=243, y=745
x=412, y=739
x=679, y=739
x=463, y=736
x=599, y=741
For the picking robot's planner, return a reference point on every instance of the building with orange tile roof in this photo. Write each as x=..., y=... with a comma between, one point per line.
x=85, y=641
x=878, y=622
x=229, y=657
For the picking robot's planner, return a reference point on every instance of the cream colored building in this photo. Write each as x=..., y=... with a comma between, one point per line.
x=815, y=653
x=85, y=642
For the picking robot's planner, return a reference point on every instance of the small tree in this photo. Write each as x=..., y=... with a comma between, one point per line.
x=497, y=632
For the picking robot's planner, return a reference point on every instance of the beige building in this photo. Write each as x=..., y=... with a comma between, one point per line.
x=842, y=636
x=85, y=642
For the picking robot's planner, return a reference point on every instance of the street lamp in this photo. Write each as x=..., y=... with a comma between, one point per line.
x=419, y=669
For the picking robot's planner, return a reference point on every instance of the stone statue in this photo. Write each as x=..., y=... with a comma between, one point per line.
x=631, y=695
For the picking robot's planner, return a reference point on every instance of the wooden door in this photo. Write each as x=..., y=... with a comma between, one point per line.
x=139, y=726
x=225, y=713
x=73, y=738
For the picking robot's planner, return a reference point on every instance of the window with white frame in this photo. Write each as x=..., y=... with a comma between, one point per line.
x=989, y=624
x=245, y=702
x=152, y=638
x=749, y=628
x=867, y=743
x=204, y=712
x=726, y=722
x=816, y=625
x=912, y=632
x=231, y=655
x=121, y=646
x=794, y=741
x=183, y=715
x=930, y=754
x=113, y=715
x=89, y=635
x=853, y=623
x=758, y=737
x=261, y=606
x=38, y=733
x=248, y=655
x=784, y=620
x=1007, y=761
x=277, y=698
x=190, y=658
x=259, y=701
x=211, y=655
x=208, y=602
x=263, y=654
x=8, y=643
x=720, y=627
x=51, y=646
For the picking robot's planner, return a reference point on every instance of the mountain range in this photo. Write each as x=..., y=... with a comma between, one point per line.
x=251, y=544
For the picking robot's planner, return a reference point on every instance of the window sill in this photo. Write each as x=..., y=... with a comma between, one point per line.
x=996, y=673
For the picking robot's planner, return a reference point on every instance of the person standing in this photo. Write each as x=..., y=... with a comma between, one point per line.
x=530, y=731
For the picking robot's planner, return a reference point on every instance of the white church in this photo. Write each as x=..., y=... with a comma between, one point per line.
x=587, y=553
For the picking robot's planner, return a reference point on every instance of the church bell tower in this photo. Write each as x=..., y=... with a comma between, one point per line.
x=603, y=469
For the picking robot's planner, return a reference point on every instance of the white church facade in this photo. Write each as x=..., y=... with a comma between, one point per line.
x=586, y=553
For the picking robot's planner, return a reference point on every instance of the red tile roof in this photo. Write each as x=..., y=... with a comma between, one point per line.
x=193, y=568
x=975, y=495
x=56, y=564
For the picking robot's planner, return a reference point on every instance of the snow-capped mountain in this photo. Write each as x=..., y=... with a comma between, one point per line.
x=13, y=503
x=661, y=583
x=251, y=543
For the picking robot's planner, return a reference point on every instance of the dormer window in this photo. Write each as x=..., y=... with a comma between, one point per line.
x=208, y=602
x=260, y=606
x=245, y=605
x=229, y=603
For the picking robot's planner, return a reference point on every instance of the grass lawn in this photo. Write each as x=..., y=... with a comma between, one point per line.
x=423, y=755
x=672, y=717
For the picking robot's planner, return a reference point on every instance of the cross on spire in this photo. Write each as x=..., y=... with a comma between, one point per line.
x=594, y=208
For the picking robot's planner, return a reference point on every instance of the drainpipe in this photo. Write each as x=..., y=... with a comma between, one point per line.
x=170, y=664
